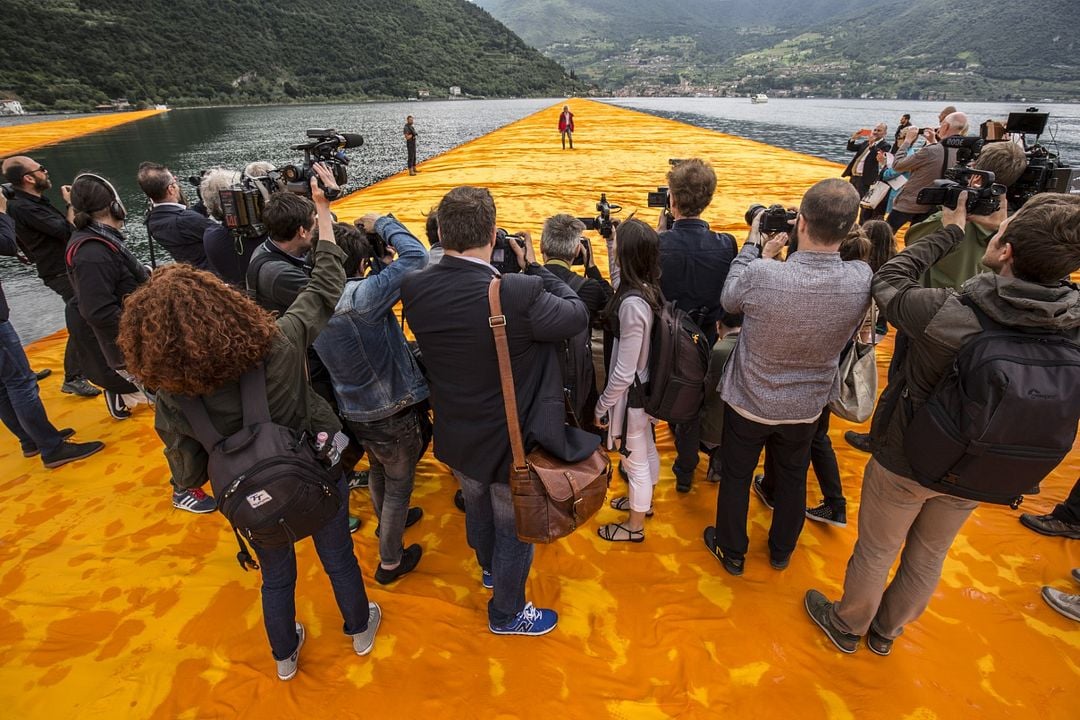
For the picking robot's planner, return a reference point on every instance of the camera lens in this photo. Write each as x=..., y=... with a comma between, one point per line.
x=752, y=212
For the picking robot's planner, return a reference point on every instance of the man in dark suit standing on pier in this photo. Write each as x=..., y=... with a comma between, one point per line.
x=863, y=170
x=446, y=306
x=410, y=144
x=171, y=223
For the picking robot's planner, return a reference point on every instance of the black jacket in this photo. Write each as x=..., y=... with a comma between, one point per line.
x=222, y=258
x=870, y=165
x=596, y=292
x=8, y=248
x=447, y=308
x=103, y=272
x=694, y=263
x=43, y=232
x=180, y=231
x=275, y=278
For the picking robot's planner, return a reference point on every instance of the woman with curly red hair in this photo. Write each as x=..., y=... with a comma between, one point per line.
x=188, y=334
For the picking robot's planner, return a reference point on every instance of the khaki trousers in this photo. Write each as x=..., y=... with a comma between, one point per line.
x=895, y=512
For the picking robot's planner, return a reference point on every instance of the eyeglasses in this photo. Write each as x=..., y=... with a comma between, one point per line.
x=39, y=168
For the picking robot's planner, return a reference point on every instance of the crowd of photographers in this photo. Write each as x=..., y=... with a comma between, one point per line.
x=308, y=304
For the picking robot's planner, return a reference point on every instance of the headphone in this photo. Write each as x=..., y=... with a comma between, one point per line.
x=116, y=207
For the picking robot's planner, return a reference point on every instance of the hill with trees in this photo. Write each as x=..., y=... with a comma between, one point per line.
x=966, y=49
x=73, y=54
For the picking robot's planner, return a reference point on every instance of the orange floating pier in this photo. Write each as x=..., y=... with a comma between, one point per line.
x=23, y=138
x=115, y=605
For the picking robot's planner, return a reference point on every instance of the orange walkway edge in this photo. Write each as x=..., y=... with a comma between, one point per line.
x=16, y=139
x=114, y=605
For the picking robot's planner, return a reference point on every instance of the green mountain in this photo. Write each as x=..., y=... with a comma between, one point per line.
x=925, y=48
x=70, y=54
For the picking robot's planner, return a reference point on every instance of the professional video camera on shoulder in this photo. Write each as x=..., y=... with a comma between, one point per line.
x=984, y=195
x=242, y=204
x=1046, y=172
x=774, y=219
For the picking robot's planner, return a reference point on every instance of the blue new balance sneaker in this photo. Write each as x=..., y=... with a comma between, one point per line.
x=530, y=621
x=487, y=579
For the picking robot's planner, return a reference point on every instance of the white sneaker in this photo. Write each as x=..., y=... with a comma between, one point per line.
x=286, y=669
x=363, y=642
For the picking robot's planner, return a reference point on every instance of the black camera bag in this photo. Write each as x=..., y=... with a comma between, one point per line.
x=1001, y=419
x=269, y=482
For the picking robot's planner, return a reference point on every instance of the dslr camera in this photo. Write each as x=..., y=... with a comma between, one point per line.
x=503, y=258
x=602, y=222
x=774, y=219
x=984, y=195
x=661, y=198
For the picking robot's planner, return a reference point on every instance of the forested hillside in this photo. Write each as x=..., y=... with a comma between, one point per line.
x=68, y=54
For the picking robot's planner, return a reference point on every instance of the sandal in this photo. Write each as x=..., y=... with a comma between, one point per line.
x=617, y=532
x=623, y=503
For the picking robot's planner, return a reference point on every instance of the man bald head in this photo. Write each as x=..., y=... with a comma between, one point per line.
x=26, y=174
x=954, y=124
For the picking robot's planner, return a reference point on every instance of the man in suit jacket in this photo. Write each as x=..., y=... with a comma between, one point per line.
x=171, y=223
x=862, y=171
x=446, y=306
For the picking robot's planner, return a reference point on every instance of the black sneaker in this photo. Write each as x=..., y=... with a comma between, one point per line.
x=32, y=449
x=859, y=441
x=733, y=565
x=878, y=644
x=759, y=490
x=410, y=557
x=818, y=608
x=683, y=481
x=358, y=479
x=42, y=374
x=459, y=501
x=1050, y=525
x=411, y=518
x=779, y=563
x=828, y=513
x=80, y=387
x=116, y=406
x=713, y=473
x=69, y=452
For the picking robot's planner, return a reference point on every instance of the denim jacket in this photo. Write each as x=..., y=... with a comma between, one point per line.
x=373, y=370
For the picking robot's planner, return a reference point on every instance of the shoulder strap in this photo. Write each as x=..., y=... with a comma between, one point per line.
x=576, y=282
x=253, y=396
x=136, y=269
x=194, y=409
x=497, y=322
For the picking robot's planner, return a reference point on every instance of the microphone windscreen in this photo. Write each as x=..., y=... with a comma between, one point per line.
x=352, y=140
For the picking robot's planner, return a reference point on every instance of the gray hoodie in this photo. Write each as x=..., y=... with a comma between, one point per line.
x=938, y=325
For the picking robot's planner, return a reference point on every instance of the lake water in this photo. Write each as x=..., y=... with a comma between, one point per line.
x=191, y=140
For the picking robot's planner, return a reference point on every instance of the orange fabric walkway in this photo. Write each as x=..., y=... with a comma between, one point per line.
x=114, y=605
x=22, y=138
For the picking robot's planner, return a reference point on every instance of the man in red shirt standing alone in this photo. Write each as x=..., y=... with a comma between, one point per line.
x=566, y=126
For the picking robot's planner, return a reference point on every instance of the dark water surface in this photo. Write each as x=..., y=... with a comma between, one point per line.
x=191, y=140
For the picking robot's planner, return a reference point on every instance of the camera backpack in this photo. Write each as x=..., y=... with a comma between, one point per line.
x=576, y=364
x=678, y=361
x=268, y=479
x=1001, y=419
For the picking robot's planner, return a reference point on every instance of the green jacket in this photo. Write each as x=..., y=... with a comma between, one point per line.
x=963, y=262
x=938, y=325
x=292, y=401
x=712, y=412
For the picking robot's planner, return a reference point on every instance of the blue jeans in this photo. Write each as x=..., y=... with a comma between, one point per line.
x=335, y=548
x=492, y=534
x=20, y=405
x=393, y=449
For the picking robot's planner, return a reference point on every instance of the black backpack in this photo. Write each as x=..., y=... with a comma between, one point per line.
x=678, y=361
x=1001, y=419
x=269, y=482
x=576, y=365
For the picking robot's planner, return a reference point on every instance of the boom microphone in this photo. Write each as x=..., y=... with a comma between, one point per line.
x=352, y=139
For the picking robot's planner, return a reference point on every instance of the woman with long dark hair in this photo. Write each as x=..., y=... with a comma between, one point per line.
x=188, y=334
x=635, y=273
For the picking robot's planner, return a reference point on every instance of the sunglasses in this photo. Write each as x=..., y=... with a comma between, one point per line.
x=39, y=168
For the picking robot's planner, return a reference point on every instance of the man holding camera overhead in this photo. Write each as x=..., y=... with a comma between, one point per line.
x=926, y=166
x=694, y=263
x=863, y=169
x=798, y=316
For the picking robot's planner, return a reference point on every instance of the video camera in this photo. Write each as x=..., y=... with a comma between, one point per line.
x=1045, y=171
x=503, y=257
x=984, y=195
x=242, y=204
x=602, y=222
x=774, y=219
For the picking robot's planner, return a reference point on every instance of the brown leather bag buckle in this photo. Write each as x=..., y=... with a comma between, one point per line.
x=497, y=321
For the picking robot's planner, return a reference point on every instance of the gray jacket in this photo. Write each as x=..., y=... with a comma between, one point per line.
x=926, y=166
x=799, y=314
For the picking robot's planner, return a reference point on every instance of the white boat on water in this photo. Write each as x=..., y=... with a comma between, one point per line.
x=759, y=98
